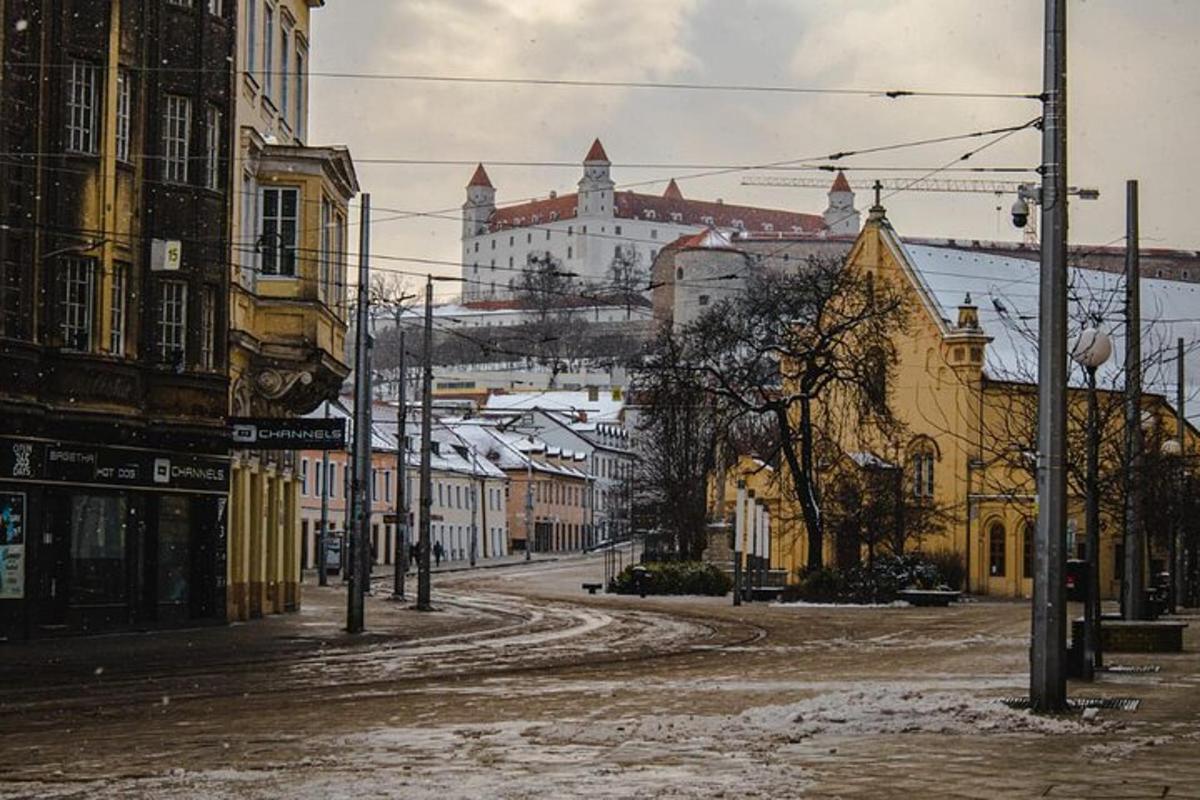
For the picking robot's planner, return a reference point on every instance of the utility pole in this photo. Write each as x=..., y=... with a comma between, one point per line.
x=474, y=509
x=400, y=562
x=361, y=495
x=751, y=542
x=1048, y=677
x=529, y=501
x=739, y=533
x=1093, y=657
x=1133, y=596
x=323, y=534
x=423, y=577
x=1177, y=582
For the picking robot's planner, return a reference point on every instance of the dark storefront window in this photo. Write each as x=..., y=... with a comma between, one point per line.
x=174, y=549
x=98, y=565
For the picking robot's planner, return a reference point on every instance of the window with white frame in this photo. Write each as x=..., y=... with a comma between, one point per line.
x=83, y=113
x=208, y=327
x=177, y=121
x=116, y=309
x=212, y=161
x=247, y=252
x=268, y=48
x=301, y=118
x=319, y=483
x=78, y=299
x=214, y=7
x=325, y=246
x=284, y=78
x=181, y=3
x=252, y=37
x=279, y=230
x=331, y=481
x=304, y=477
x=124, y=106
x=172, y=322
x=339, y=249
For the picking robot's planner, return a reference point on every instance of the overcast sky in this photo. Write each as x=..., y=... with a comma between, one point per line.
x=1134, y=89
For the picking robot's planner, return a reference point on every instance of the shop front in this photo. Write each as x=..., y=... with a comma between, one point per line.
x=99, y=538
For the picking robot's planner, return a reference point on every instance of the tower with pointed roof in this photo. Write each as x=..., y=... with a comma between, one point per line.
x=596, y=185
x=841, y=217
x=480, y=205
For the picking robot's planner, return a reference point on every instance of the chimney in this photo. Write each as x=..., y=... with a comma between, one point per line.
x=553, y=194
x=593, y=394
x=968, y=315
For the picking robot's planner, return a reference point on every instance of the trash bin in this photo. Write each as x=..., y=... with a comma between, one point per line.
x=1077, y=580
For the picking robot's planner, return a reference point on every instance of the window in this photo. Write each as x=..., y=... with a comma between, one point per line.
x=339, y=248
x=172, y=322
x=331, y=488
x=922, y=466
x=99, y=569
x=284, y=77
x=214, y=7
x=875, y=380
x=277, y=242
x=12, y=267
x=477, y=247
x=301, y=117
x=1027, y=550
x=116, y=309
x=124, y=97
x=510, y=241
x=177, y=121
x=529, y=238
x=703, y=300
x=617, y=230
x=326, y=239
x=653, y=231
x=304, y=477
x=251, y=37
x=387, y=486
x=181, y=3
x=319, y=483
x=548, y=239
x=208, y=327
x=78, y=298
x=212, y=163
x=570, y=251
x=268, y=48
x=248, y=254
x=83, y=117
x=997, y=548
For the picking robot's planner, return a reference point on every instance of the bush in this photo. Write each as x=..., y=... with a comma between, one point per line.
x=676, y=577
x=951, y=569
x=880, y=582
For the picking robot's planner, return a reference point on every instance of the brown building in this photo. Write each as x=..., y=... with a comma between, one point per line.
x=114, y=473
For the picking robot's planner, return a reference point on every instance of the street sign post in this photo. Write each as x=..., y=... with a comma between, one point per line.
x=287, y=434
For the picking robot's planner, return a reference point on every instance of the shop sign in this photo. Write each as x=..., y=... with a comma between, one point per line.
x=12, y=545
x=288, y=433
x=63, y=462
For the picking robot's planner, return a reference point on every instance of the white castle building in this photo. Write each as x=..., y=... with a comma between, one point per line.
x=586, y=230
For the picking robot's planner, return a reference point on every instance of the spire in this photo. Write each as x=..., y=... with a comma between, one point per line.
x=672, y=192
x=840, y=184
x=596, y=153
x=480, y=178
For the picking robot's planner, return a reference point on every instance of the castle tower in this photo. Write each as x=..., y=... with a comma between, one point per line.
x=596, y=185
x=480, y=205
x=841, y=218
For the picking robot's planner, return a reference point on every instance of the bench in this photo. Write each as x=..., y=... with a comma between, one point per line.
x=592, y=588
x=766, y=594
x=928, y=597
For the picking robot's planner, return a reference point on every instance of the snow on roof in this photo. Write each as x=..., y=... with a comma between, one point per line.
x=510, y=450
x=1005, y=289
x=603, y=408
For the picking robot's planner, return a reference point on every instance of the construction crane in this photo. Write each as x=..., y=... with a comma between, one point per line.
x=1023, y=190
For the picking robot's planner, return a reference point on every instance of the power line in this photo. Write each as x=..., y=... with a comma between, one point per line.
x=882, y=93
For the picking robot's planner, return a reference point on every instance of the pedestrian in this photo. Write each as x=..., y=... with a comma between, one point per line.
x=412, y=553
x=438, y=550
x=371, y=566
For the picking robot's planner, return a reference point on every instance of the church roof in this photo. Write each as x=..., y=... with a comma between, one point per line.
x=672, y=191
x=480, y=178
x=840, y=184
x=596, y=153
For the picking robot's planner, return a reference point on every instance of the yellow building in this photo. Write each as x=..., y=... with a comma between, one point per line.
x=964, y=390
x=288, y=314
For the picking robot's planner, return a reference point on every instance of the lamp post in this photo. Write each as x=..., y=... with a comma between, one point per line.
x=1092, y=349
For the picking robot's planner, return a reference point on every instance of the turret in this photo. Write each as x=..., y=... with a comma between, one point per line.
x=841, y=217
x=596, y=185
x=480, y=205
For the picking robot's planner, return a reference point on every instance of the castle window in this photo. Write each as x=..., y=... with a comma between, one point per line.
x=703, y=300
x=653, y=233
x=547, y=235
x=553, y=216
x=477, y=247
x=529, y=236
x=768, y=226
x=676, y=216
x=510, y=262
x=617, y=229
x=493, y=244
x=570, y=251
x=570, y=230
x=511, y=240
x=650, y=214
x=707, y=220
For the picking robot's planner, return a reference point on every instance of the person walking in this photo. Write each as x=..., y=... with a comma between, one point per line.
x=438, y=550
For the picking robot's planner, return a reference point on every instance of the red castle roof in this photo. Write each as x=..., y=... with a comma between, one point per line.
x=596, y=153
x=840, y=184
x=480, y=178
x=672, y=191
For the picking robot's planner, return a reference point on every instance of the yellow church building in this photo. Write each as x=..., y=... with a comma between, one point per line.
x=964, y=390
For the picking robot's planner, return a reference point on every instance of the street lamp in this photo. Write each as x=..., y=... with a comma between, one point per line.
x=1092, y=349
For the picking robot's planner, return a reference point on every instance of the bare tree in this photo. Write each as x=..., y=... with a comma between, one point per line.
x=822, y=334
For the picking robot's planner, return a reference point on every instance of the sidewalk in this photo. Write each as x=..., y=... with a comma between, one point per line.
x=382, y=571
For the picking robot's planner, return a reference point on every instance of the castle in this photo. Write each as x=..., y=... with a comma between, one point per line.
x=587, y=230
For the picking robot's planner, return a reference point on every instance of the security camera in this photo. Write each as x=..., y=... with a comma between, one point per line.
x=1020, y=213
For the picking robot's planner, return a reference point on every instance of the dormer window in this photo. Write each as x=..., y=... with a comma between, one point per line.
x=768, y=226
x=676, y=216
x=650, y=214
x=739, y=224
x=707, y=220
x=553, y=216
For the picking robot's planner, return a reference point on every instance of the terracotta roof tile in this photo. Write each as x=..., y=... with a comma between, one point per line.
x=596, y=153
x=480, y=178
x=840, y=184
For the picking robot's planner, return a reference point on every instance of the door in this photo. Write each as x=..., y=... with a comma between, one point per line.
x=53, y=548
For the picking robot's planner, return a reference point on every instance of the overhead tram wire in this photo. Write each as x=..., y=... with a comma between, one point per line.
x=579, y=83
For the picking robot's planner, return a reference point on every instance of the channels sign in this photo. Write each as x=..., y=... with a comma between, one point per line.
x=288, y=434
